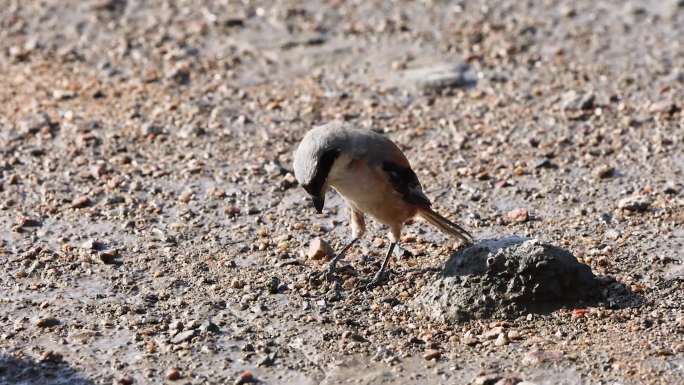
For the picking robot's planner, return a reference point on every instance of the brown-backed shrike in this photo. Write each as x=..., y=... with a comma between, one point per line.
x=373, y=176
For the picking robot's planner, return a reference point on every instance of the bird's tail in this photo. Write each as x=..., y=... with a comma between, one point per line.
x=445, y=225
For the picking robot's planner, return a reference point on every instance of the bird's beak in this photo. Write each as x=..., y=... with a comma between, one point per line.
x=318, y=202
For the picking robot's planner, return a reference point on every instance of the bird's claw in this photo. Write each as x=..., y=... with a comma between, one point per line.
x=329, y=273
x=401, y=252
x=378, y=279
x=328, y=276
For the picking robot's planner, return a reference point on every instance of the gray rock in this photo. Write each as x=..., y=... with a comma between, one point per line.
x=183, y=336
x=209, y=327
x=63, y=94
x=439, y=77
x=634, y=203
x=504, y=279
x=93, y=245
x=176, y=325
x=190, y=131
x=150, y=129
x=267, y=360
x=577, y=105
x=33, y=123
x=664, y=106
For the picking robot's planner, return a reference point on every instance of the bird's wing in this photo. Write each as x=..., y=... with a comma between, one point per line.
x=406, y=183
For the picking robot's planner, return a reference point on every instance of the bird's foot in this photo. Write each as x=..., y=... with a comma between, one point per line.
x=314, y=278
x=401, y=252
x=329, y=272
x=379, y=278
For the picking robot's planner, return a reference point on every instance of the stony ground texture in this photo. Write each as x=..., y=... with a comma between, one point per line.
x=151, y=230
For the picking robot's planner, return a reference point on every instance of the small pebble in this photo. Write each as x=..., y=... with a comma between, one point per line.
x=318, y=249
x=245, y=377
x=173, y=374
x=183, y=336
x=432, y=354
x=108, y=257
x=488, y=379
x=469, y=339
x=28, y=222
x=273, y=285
x=150, y=129
x=603, y=172
x=573, y=101
x=501, y=340
x=518, y=215
x=634, y=203
x=209, y=327
x=663, y=107
x=513, y=335
x=493, y=332
x=51, y=356
x=126, y=380
x=80, y=202
x=47, y=322
x=186, y=196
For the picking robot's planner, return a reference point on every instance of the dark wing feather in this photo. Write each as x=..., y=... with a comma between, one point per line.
x=405, y=181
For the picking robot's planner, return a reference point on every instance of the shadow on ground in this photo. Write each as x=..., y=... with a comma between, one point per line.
x=51, y=371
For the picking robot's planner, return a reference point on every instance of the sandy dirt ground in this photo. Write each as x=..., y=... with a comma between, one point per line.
x=151, y=230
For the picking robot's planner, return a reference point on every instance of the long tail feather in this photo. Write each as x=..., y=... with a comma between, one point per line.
x=445, y=225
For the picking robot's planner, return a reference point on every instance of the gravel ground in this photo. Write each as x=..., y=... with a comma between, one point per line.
x=151, y=229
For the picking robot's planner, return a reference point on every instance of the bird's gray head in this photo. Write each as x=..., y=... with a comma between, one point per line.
x=313, y=160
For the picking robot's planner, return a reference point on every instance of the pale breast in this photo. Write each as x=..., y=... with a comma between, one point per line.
x=368, y=190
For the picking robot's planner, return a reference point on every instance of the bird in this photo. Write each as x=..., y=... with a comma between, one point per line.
x=374, y=178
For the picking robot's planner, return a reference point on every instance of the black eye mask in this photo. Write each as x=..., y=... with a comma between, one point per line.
x=323, y=167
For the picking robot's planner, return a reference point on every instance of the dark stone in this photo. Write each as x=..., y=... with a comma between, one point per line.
x=545, y=163
x=210, y=327
x=47, y=322
x=504, y=279
x=273, y=285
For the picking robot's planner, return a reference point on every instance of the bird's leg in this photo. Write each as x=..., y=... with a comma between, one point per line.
x=330, y=270
x=358, y=225
x=381, y=273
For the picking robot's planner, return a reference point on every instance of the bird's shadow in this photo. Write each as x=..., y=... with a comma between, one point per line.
x=27, y=371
